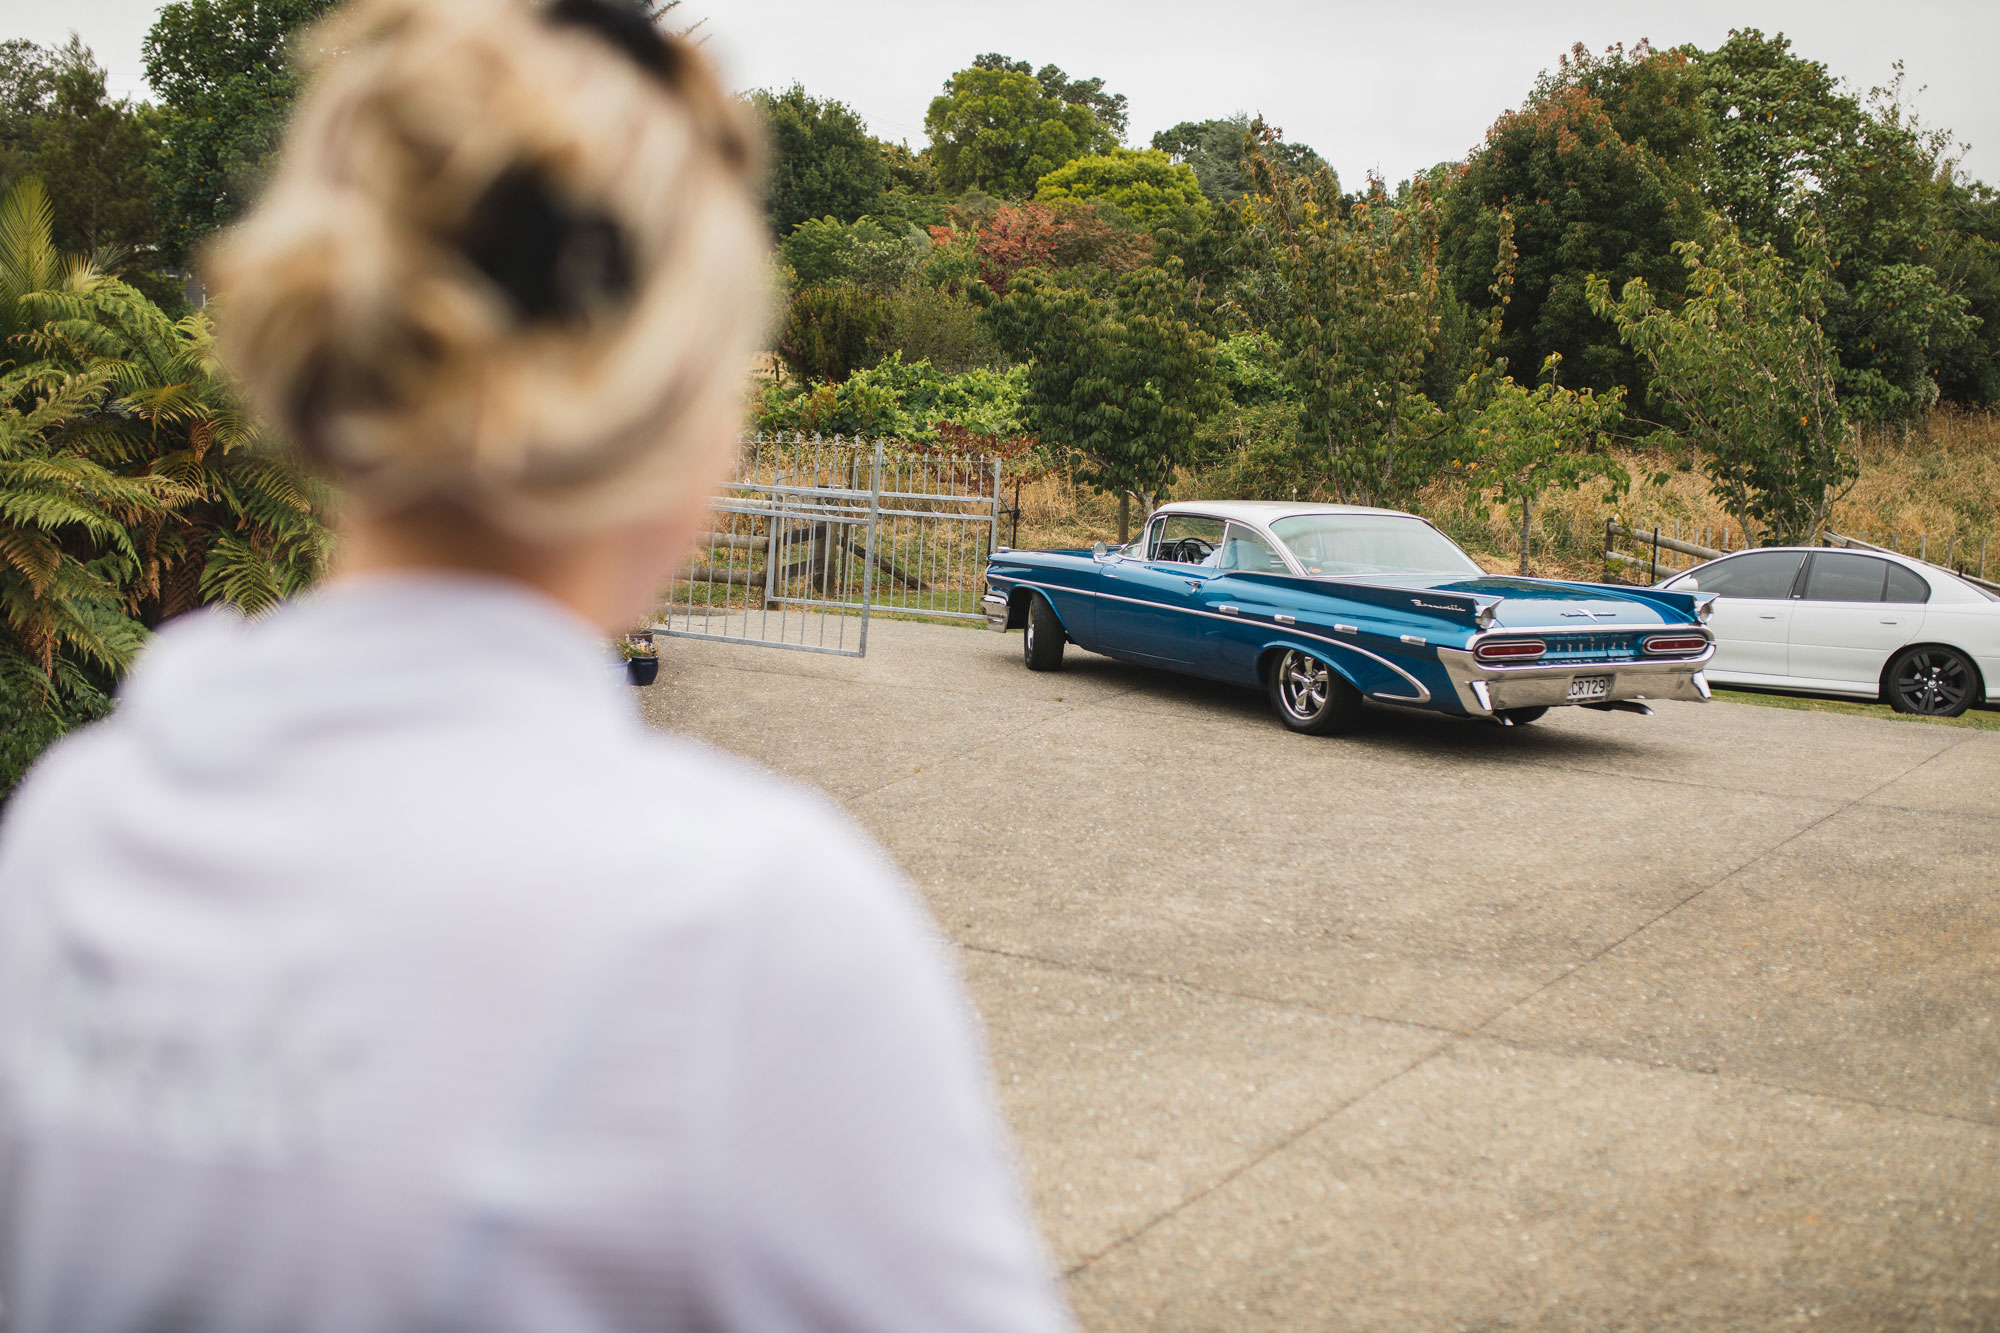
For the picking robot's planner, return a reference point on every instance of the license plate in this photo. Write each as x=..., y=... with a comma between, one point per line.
x=1584, y=689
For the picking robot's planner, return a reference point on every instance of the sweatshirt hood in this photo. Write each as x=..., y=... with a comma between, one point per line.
x=214, y=691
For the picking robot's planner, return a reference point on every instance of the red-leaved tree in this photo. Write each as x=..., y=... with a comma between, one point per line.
x=1018, y=237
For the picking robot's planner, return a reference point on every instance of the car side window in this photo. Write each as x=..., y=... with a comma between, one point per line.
x=1767, y=574
x=1242, y=549
x=1188, y=539
x=1906, y=585
x=1839, y=576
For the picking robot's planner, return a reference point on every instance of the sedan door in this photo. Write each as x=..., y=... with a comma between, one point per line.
x=1240, y=610
x=1843, y=628
x=1752, y=616
x=1143, y=605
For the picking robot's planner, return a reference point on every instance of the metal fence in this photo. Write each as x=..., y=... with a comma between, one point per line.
x=1661, y=551
x=812, y=536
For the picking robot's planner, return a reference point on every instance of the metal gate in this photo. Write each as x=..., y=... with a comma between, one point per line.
x=811, y=536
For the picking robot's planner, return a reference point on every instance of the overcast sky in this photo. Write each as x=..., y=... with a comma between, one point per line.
x=1389, y=86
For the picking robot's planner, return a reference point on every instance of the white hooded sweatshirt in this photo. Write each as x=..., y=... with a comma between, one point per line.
x=373, y=967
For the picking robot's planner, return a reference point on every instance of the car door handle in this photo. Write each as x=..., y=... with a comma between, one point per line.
x=1892, y=622
x=1767, y=617
x=1194, y=584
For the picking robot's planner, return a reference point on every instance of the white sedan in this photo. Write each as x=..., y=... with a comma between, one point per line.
x=1873, y=626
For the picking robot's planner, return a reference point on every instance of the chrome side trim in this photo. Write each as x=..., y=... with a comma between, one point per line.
x=1339, y=628
x=1416, y=639
x=1060, y=587
x=1230, y=610
x=1508, y=631
x=1284, y=619
x=1422, y=695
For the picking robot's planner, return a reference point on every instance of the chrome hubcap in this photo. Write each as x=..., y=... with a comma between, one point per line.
x=1933, y=682
x=1303, y=684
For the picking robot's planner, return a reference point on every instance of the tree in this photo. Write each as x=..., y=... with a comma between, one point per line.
x=27, y=85
x=1969, y=263
x=824, y=163
x=828, y=333
x=223, y=71
x=1109, y=108
x=1144, y=185
x=133, y=486
x=1747, y=374
x=1583, y=200
x=1363, y=318
x=1776, y=125
x=1219, y=152
x=94, y=156
x=1052, y=236
x=1000, y=131
x=1120, y=385
x=825, y=252
x=1793, y=150
x=1526, y=442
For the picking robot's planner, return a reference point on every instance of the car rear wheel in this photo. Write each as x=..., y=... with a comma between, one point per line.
x=1937, y=682
x=1521, y=717
x=1042, y=640
x=1311, y=697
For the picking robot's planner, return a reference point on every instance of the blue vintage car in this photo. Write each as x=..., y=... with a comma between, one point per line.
x=1325, y=606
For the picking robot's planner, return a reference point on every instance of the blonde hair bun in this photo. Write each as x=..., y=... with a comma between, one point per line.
x=512, y=259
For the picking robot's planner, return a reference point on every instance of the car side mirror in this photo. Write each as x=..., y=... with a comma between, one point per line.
x=1098, y=550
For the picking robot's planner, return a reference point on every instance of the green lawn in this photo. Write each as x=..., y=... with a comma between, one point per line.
x=1982, y=719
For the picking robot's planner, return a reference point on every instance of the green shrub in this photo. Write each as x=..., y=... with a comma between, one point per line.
x=899, y=400
x=831, y=332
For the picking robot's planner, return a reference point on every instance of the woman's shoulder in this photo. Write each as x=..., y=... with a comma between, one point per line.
x=699, y=812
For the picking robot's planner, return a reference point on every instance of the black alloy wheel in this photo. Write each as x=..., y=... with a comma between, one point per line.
x=1042, y=640
x=1311, y=697
x=1933, y=681
x=1521, y=717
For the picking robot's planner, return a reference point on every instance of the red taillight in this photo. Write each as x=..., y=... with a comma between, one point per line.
x=1510, y=650
x=1675, y=645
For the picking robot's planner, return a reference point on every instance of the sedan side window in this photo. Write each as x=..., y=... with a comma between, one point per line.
x=1767, y=574
x=1188, y=539
x=1906, y=585
x=1842, y=577
x=1242, y=549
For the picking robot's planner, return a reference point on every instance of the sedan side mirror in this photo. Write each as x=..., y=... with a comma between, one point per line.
x=1098, y=550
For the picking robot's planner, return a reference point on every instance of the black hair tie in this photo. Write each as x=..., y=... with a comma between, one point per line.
x=557, y=263
x=626, y=27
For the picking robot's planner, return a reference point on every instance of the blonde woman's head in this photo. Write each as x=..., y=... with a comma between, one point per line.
x=511, y=264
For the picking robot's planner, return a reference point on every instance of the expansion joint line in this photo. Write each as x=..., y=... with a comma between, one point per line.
x=1455, y=1038
x=1718, y=881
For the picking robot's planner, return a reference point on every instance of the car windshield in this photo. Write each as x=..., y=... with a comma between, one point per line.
x=1346, y=544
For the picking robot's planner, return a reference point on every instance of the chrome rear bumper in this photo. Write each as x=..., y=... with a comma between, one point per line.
x=1485, y=690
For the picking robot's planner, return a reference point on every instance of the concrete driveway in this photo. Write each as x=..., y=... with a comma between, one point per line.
x=1690, y=1021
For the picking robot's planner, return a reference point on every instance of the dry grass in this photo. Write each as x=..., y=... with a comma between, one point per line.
x=1934, y=488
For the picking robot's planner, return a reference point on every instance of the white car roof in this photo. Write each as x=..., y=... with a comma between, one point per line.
x=1266, y=511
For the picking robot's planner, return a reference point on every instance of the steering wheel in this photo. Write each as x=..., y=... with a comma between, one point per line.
x=1191, y=551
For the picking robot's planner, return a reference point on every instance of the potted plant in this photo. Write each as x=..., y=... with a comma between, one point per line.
x=642, y=658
